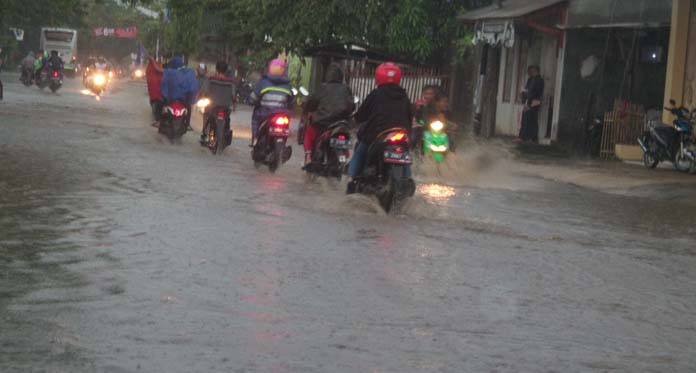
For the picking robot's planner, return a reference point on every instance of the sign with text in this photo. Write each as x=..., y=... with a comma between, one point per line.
x=119, y=32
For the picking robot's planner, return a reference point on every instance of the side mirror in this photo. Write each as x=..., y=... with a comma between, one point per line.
x=304, y=91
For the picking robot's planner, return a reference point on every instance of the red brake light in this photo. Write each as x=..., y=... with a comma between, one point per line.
x=55, y=73
x=398, y=136
x=282, y=121
x=341, y=137
x=221, y=114
x=178, y=112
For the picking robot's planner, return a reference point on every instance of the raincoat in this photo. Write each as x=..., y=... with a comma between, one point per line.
x=179, y=82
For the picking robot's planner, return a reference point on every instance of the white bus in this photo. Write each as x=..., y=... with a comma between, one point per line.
x=63, y=40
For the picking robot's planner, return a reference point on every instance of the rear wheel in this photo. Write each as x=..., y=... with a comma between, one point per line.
x=389, y=199
x=220, y=137
x=278, y=149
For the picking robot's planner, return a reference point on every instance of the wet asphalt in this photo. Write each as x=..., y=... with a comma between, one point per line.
x=121, y=252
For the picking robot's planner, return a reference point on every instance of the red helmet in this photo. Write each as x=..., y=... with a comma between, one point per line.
x=387, y=73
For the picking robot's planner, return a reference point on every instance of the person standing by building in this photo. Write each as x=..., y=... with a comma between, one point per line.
x=531, y=96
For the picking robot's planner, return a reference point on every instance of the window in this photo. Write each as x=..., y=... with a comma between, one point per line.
x=509, y=68
x=61, y=36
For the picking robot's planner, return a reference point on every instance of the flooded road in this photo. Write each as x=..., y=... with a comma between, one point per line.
x=120, y=252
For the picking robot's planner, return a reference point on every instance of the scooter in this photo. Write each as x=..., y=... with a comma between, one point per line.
x=435, y=142
x=384, y=174
x=331, y=152
x=173, y=124
x=217, y=134
x=270, y=148
x=671, y=143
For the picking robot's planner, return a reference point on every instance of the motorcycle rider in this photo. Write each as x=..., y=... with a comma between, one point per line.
x=28, y=67
x=273, y=94
x=387, y=106
x=333, y=102
x=179, y=83
x=54, y=62
x=39, y=63
x=219, y=89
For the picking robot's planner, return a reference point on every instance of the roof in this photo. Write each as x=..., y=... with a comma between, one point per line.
x=509, y=9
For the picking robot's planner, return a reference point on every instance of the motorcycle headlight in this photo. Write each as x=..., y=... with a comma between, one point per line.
x=438, y=148
x=437, y=126
x=203, y=103
x=138, y=73
x=111, y=74
x=99, y=79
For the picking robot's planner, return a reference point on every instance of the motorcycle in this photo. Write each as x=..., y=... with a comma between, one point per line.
x=26, y=77
x=173, y=123
x=217, y=134
x=436, y=141
x=96, y=82
x=332, y=151
x=270, y=148
x=51, y=79
x=384, y=174
x=671, y=143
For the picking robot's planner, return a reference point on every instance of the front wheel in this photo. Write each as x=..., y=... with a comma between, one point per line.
x=682, y=163
x=649, y=159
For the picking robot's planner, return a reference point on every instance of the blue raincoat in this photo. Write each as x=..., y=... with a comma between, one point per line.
x=179, y=82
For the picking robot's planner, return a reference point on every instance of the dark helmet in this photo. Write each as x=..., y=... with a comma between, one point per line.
x=334, y=74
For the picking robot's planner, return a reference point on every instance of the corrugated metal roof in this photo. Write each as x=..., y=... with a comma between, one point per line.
x=509, y=9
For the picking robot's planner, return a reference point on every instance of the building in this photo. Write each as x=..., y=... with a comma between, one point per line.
x=591, y=53
x=680, y=79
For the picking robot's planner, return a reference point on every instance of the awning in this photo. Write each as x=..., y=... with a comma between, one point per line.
x=619, y=13
x=509, y=9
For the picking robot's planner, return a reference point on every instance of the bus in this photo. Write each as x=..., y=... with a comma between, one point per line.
x=64, y=41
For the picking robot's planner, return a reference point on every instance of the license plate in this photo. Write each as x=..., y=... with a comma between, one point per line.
x=341, y=144
x=395, y=157
x=342, y=158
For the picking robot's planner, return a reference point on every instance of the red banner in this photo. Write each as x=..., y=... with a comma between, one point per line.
x=120, y=32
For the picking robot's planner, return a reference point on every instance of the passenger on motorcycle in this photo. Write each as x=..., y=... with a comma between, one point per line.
x=219, y=89
x=388, y=106
x=333, y=102
x=153, y=76
x=179, y=83
x=272, y=95
x=28, y=66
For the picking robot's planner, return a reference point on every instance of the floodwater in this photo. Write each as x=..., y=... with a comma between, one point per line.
x=120, y=252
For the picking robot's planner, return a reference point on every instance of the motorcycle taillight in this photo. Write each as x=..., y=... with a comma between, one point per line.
x=55, y=74
x=221, y=114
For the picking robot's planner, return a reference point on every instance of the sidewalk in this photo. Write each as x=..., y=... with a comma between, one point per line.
x=500, y=158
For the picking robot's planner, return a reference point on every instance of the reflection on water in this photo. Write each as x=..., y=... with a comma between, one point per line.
x=436, y=192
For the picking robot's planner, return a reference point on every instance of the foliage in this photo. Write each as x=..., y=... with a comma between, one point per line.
x=422, y=30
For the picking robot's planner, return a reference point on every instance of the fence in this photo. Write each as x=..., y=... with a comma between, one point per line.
x=361, y=79
x=623, y=126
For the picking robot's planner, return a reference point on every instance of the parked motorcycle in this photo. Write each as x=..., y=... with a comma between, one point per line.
x=270, y=148
x=671, y=143
x=384, y=174
x=217, y=134
x=173, y=123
